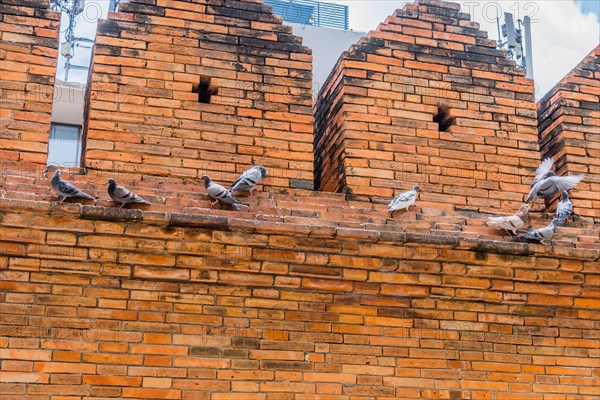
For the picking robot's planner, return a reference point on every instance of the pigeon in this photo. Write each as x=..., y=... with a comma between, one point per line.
x=249, y=179
x=122, y=196
x=548, y=187
x=405, y=200
x=542, y=235
x=510, y=223
x=219, y=193
x=65, y=190
x=564, y=209
x=543, y=171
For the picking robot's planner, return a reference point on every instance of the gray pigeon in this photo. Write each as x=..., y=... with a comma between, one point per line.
x=122, y=196
x=65, y=190
x=219, y=193
x=543, y=171
x=249, y=179
x=405, y=200
x=564, y=209
x=548, y=187
x=542, y=235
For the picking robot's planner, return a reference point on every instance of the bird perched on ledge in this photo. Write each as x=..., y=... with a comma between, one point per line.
x=65, y=190
x=249, y=179
x=405, y=200
x=542, y=235
x=510, y=223
x=122, y=196
x=564, y=209
x=219, y=193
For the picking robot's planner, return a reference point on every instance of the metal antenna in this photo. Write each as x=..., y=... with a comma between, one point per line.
x=513, y=43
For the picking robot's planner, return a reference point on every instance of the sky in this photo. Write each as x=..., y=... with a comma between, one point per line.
x=563, y=31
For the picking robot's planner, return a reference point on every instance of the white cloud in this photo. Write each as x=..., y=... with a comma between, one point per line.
x=562, y=36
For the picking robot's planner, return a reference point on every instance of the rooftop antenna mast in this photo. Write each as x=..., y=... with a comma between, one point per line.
x=510, y=39
x=113, y=5
x=72, y=8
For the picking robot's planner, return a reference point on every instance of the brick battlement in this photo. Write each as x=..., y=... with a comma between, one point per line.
x=145, y=114
x=426, y=98
x=28, y=55
x=569, y=128
x=302, y=294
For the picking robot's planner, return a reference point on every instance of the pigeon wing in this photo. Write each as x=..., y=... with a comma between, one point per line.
x=545, y=188
x=247, y=180
x=564, y=183
x=122, y=195
x=403, y=200
x=69, y=190
x=218, y=192
x=542, y=170
x=511, y=223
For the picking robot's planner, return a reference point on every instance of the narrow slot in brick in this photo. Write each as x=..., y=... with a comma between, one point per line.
x=443, y=118
x=205, y=90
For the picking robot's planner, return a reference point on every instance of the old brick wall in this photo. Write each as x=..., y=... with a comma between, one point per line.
x=28, y=57
x=104, y=303
x=145, y=118
x=569, y=131
x=427, y=98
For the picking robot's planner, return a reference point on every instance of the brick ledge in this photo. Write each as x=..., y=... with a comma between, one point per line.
x=374, y=234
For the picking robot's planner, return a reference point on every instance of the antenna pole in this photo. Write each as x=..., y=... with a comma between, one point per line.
x=499, y=33
x=528, y=47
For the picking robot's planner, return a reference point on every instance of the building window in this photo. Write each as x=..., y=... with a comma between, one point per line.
x=64, y=148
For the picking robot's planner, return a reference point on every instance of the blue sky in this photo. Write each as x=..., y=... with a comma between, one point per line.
x=590, y=6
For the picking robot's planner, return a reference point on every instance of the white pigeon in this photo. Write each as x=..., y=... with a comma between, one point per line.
x=510, y=223
x=219, y=193
x=405, y=200
x=65, y=190
x=564, y=209
x=122, y=196
x=542, y=235
x=249, y=179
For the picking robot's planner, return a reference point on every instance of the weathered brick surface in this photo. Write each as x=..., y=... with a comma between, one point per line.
x=145, y=118
x=569, y=129
x=376, y=132
x=211, y=308
x=302, y=295
x=28, y=54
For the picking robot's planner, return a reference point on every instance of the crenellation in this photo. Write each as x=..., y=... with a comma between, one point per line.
x=301, y=293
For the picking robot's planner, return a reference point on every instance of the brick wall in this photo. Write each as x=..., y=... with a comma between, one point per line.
x=427, y=98
x=569, y=131
x=28, y=54
x=104, y=303
x=145, y=117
